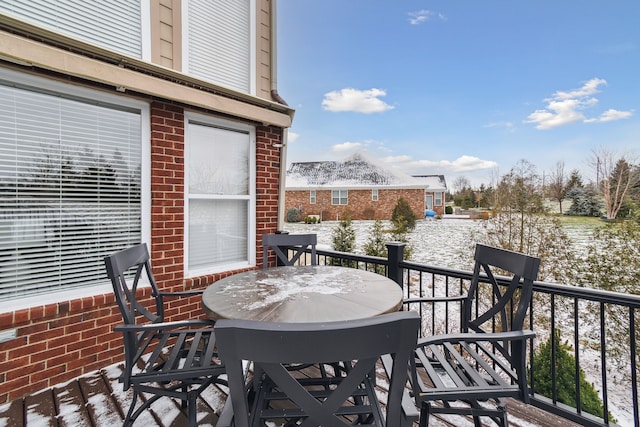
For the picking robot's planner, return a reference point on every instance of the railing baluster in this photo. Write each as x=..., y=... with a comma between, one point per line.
x=603, y=363
x=554, y=379
x=634, y=367
x=576, y=346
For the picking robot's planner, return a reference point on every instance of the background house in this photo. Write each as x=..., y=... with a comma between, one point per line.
x=122, y=122
x=359, y=188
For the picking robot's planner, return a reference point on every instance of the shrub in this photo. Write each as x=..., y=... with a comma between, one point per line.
x=310, y=219
x=448, y=210
x=565, y=378
x=403, y=217
x=293, y=215
x=376, y=243
x=344, y=240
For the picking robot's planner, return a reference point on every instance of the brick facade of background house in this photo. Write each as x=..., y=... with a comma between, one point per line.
x=360, y=205
x=58, y=342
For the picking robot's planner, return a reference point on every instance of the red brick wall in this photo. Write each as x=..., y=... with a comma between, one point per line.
x=61, y=341
x=359, y=207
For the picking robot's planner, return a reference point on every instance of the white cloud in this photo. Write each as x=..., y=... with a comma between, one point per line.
x=566, y=107
x=292, y=136
x=421, y=16
x=611, y=115
x=461, y=164
x=346, y=146
x=361, y=101
x=396, y=159
x=589, y=88
x=509, y=126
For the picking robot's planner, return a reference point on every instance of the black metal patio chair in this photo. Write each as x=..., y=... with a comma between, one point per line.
x=292, y=398
x=280, y=242
x=174, y=359
x=485, y=362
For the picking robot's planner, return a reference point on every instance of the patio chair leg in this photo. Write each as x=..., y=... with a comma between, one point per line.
x=128, y=422
x=191, y=408
x=503, y=415
x=425, y=410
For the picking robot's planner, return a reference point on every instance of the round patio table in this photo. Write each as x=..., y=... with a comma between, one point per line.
x=302, y=294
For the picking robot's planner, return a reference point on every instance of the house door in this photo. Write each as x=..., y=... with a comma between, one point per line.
x=429, y=202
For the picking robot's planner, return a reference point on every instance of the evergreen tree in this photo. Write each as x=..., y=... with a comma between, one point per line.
x=403, y=217
x=344, y=240
x=376, y=243
x=575, y=180
x=293, y=215
x=584, y=202
x=565, y=386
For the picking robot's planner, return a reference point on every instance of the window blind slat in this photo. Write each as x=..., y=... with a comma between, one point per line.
x=113, y=24
x=219, y=42
x=69, y=190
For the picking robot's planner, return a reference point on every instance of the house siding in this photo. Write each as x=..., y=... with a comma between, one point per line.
x=166, y=33
x=60, y=341
x=359, y=206
x=264, y=49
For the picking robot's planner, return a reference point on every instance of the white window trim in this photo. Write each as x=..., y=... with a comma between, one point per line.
x=375, y=196
x=145, y=186
x=251, y=235
x=313, y=197
x=145, y=15
x=340, y=197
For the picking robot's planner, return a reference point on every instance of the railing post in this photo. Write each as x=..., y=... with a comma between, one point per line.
x=395, y=255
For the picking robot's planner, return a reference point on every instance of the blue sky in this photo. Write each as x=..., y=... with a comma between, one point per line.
x=461, y=87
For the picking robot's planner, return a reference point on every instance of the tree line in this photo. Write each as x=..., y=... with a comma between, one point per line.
x=614, y=194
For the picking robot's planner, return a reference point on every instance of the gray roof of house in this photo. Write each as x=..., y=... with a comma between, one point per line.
x=355, y=171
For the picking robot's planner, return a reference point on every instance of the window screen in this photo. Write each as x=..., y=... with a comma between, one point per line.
x=221, y=193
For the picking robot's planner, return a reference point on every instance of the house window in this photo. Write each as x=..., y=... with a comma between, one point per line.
x=339, y=197
x=220, y=46
x=438, y=201
x=221, y=195
x=112, y=25
x=374, y=194
x=312, y=197
x=71, y=167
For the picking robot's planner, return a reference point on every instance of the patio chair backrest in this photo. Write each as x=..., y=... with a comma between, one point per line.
x=128, y=269
x=505, y=307
x=279, y=241
x=273, y=346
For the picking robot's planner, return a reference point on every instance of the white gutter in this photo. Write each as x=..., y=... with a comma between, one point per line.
x=285, y=131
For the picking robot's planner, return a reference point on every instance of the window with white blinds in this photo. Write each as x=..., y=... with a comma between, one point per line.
x=221, y=195
x=70, y=189
x=112, y=24
x=219, y=42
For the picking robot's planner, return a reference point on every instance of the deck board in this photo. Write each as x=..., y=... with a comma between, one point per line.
x=40, y=409
x=97, y=400
x=70, y=405
x=100, y=403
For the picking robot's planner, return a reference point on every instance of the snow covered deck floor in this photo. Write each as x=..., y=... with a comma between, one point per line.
x=97, y=400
